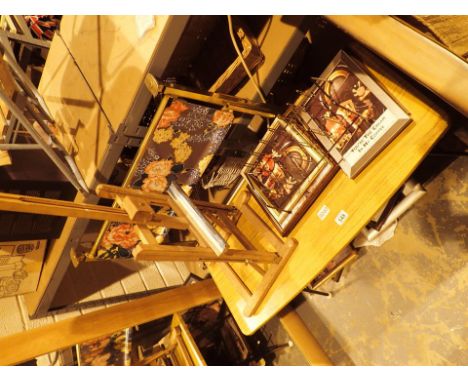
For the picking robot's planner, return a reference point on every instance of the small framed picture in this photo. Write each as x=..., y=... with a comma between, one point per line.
x=351, y=115
x=287, y=172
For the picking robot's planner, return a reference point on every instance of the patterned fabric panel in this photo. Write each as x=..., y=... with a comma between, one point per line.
x=182, y=145
x=113, y=350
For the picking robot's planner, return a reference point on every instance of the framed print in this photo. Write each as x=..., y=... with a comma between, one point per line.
x=124, y=347
x=287, y=172
x=178, y=147
x=352, y=116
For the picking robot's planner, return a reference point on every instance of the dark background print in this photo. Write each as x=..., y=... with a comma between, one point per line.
x=204, y=139
x=344, y=92
x=281, y=141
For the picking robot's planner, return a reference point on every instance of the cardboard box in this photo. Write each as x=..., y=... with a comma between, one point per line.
x=20, y=266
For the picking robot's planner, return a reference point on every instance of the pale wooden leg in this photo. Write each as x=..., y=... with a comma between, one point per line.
x=145, y=235
x=303, y=338
x=154, y=357
x=270, y=277
x=229, y=226
x=253, y=219
x=234, y=278
x=26, y=345
x=227, y=223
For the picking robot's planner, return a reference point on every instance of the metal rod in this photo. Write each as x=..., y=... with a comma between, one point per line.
x=61, y=164
x=26, y=40
x=313, y=291
x=26, y=82
x=109, y=123
x=197, y=220
x=21, y=24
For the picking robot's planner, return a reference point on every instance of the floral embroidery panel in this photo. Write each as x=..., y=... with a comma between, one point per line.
x=185, y=139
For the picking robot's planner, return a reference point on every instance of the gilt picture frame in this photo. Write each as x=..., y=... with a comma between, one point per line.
x=180, y=143
x=286, y=173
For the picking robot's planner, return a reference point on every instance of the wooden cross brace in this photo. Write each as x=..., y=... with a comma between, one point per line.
x=212, y=246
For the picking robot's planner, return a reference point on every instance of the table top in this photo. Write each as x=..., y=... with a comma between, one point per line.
x=319, y=241
x=114, y=53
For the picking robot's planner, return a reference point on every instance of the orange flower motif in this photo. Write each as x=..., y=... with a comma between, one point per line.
x=159, y=168
x=154, y=184
x=122, y=235
x=171, y=114
x=178, y=106
x=223, y=118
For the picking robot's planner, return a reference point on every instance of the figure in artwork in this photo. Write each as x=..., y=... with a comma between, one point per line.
x=282, y=167
x=344, y=108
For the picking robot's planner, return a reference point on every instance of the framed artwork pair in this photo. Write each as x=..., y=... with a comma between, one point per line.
x=343, y=121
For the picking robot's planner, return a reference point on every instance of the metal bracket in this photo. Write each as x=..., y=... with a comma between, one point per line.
x=153, y=85
x=121, y=137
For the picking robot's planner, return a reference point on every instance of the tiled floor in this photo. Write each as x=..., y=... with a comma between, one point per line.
x=406, y=302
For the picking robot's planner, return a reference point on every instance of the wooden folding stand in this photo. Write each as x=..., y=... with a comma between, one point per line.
x=137, y=208
x=196, y=217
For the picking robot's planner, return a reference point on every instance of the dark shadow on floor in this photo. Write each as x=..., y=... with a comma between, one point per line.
x=89, y=278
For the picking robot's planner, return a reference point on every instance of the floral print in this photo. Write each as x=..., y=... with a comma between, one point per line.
x=180, y=149
x=157, y=172
x=155, y=184
x=159, y=168
x=113, y=350
x=171, y=114
x=122, y=235
x=222, y=118
x=163, y=135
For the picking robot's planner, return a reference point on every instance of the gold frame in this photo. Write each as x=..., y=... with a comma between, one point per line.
x=311, y=151
x=171, y=92
x=325, y=168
